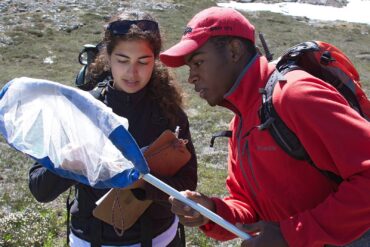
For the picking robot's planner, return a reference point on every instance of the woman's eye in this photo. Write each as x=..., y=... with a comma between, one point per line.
x=143, y=62
x=122, y=61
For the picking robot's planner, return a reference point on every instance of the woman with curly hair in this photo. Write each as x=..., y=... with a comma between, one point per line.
x=135, y=85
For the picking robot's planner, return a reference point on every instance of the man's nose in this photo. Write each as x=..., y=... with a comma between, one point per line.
x=192, y=78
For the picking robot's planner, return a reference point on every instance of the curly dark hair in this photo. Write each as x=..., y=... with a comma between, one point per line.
x=161, y=87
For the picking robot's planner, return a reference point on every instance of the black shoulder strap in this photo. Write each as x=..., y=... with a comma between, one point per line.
x=181, y=230
x=95, y=232
x=68, y=206
x=224, y=133
x=283, y=136
x=99, y=91
x=270, y=120
x=146, y=230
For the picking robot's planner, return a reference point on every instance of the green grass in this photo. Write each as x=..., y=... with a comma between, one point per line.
x=44, y=224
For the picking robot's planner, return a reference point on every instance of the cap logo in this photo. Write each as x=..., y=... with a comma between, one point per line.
x=187, y=30
x=211, y=29
x=226, y=28
x=215, y=28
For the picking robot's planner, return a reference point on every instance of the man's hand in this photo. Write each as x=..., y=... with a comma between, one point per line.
x=265, y=234
x=187, y=215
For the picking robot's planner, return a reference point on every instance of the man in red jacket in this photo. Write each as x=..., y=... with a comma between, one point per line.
x=287, y=202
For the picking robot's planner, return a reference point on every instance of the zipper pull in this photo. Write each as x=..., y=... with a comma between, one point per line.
x=266, y=124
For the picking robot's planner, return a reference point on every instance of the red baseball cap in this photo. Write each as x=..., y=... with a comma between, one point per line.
x=214, y=21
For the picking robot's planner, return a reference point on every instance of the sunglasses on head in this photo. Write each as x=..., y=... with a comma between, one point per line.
x=122, y=27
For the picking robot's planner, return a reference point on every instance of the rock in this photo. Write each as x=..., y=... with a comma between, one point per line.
x=334, y=3
x=364, y=56
x=5, y=40
x=245, y=1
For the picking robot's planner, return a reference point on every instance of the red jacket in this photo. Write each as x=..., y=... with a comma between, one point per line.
x=267, y=184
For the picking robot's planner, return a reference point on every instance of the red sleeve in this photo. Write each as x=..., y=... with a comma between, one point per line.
x=337, y=139
x=235, y=208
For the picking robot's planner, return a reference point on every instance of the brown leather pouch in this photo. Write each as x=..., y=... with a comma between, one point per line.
x=167, y=154
x=119, y=207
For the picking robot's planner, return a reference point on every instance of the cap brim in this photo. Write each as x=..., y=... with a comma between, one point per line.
x=175, y=56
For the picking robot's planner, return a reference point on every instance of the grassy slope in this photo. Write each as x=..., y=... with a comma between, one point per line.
x=33, y=44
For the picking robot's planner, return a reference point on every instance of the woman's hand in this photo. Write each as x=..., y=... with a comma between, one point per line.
x=187, y=215
x=73, y=159
x=139, y=184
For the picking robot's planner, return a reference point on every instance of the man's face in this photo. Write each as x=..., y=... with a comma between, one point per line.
x=210, y=72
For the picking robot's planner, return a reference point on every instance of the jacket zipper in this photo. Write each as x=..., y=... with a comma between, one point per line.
x=240, y=154
x=250, y=163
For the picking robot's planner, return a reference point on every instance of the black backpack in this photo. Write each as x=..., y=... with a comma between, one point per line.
x=86, y=56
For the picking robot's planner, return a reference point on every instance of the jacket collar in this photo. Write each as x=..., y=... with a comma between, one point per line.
x=122, y=100
x=245, y=91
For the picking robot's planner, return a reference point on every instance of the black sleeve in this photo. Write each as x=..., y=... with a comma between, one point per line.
x=185, y=179
x=44, y=185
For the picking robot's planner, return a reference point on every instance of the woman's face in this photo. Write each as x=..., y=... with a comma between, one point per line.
x=132, y=64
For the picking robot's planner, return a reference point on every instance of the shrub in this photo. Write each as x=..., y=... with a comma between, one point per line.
x=34, y=226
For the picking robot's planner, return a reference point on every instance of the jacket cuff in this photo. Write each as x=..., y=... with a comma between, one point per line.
x=210, y=225
x=215, y=231
x=207, y=227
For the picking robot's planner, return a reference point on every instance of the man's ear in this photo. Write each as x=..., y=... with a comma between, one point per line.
x=236, y=50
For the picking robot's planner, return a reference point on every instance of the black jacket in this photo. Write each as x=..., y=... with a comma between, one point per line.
x=146, y=123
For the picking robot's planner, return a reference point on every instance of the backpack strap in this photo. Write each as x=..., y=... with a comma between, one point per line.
x=181, y=230
x=80, y=78
x=146, y=230
x=100, y=90
x=95, y=232
x=282, y=135
x=68, y=206
x=224, y=133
